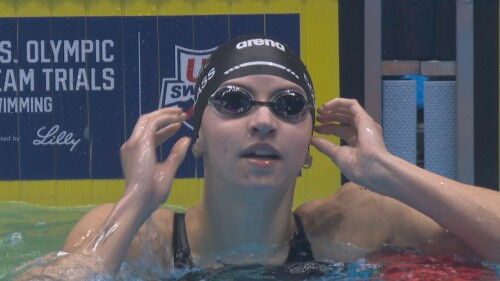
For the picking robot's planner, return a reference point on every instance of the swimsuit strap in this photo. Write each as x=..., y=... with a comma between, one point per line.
x=300, y=247
x=182, y=254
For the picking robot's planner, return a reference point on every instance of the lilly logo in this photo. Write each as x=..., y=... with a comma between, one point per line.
x=179, y=90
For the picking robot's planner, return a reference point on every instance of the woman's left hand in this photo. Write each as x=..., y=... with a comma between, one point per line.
x=346, y=119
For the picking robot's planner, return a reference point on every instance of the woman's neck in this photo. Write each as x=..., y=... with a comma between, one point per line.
x=247, y=224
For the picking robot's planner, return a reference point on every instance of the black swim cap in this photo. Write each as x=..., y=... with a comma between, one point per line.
x=247, y=55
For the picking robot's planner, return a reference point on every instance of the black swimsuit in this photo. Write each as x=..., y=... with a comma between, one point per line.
x=300, y=248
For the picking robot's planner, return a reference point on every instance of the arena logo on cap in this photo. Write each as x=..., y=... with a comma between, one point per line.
x=260, y=42
x=179, y=90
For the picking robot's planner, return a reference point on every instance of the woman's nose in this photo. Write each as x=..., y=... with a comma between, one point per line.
x=263, y=122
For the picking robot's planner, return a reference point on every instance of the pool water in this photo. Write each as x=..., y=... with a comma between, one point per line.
x=28, y=232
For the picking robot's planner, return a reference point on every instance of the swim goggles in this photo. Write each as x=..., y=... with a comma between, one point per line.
x=235, y=101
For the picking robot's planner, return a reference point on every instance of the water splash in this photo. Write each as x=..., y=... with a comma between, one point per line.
x=15, y=238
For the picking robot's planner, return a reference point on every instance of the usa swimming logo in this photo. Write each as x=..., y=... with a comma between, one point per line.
x=179, y=90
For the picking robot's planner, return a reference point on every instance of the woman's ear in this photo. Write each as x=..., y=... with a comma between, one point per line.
x=194, y=150
x=199, y=145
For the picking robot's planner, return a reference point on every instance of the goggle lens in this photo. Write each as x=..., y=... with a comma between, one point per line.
x=290, y=104
x=234, y=101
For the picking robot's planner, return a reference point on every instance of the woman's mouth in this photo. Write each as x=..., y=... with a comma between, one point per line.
x=261, y=151
x=260, y=155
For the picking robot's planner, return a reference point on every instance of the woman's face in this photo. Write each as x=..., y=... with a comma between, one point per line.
x=257, y=149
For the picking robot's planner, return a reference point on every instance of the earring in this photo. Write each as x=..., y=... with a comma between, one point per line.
x=194, y=150
x=307, y=162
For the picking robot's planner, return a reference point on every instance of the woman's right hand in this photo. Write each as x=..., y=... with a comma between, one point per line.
x=148, y=180
x=100, y=240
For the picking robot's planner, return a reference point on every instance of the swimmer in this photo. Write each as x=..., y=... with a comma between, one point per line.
x=253, y=121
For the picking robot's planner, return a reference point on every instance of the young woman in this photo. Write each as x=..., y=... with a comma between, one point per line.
x=254, y=118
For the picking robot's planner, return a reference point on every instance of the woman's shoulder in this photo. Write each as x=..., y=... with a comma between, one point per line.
x=355, y=206
x=350, y=197
x=355, y=222
x=349, y=224
x=162, y=219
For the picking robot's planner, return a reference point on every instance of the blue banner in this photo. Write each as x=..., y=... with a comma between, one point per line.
x=72, y=88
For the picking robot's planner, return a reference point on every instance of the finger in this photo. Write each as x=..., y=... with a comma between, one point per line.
x=348, y=111
x=344, y=132
x=358, y=115
x=334, y=117
x=166, y=132
x=160, y=123
x=171, y=164
x=326, y=147
x=145, y=120
x=340, y=105
x=139, y=127
x=336, y=110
